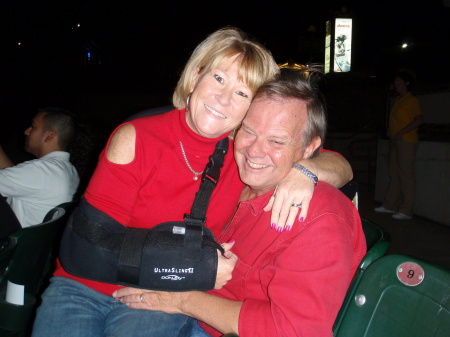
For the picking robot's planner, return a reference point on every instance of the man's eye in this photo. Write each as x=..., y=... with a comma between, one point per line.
x=218, y=78
x=248, y=132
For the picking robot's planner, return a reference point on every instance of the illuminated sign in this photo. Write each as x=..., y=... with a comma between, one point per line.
x=327, y=47
x=342, y=45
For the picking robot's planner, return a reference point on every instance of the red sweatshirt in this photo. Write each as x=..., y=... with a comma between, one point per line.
x=157, y=186
x=293, y=283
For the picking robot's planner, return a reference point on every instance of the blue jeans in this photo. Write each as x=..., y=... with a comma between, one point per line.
x=70, y=309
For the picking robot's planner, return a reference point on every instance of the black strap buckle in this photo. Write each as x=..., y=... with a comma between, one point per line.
x=189, y=219
x=212, y=171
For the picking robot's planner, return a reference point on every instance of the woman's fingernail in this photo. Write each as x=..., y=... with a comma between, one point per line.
x=279, y=230
x=273, y=225
x=288, y=228
x=301, y=219
x=232, y=240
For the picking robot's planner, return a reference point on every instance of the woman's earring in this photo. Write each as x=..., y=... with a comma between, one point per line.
x=187, y=100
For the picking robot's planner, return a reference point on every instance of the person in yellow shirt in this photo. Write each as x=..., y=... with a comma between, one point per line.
x=405, y=118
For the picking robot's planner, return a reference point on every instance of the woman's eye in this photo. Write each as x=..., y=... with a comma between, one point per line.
x=218, y=78
x=240, y=93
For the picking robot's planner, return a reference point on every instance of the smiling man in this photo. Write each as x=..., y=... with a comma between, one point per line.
x=288, y=284
x=269, y=142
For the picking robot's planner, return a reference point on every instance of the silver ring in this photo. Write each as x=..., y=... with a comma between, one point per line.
x=141, y=299
x=297, y=205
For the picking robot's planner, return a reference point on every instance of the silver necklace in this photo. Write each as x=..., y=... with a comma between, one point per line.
x=187, y=163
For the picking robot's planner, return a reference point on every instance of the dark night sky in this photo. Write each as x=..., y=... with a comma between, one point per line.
x=144, y=44
x=177, y=25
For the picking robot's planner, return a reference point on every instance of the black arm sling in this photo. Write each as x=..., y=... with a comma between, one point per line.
x=172, y=256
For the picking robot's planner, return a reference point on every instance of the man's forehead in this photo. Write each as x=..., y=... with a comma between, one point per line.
x=291, y=112
x=278, y=102
x=38, y=117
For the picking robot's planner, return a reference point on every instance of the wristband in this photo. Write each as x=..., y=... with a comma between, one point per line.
x=308, y=173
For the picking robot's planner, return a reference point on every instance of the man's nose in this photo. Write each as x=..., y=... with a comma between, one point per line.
x=256, y=149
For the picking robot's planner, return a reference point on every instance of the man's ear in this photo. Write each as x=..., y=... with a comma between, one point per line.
x=50, y=136
x=315, y=143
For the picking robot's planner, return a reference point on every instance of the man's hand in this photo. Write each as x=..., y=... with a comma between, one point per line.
x=4, y=159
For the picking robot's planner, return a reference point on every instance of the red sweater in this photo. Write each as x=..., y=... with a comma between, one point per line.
x=293, y=283
x=157, y=186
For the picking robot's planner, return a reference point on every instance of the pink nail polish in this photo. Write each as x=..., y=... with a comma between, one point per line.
x=288, y=228
x=301, y=219
x=279, y=230
x=232, y=240
x=273, y=225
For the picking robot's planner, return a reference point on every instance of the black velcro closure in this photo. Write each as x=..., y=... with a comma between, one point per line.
x=129, y=264
x=193, y=242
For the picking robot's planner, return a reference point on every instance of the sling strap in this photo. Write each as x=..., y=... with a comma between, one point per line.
x=92, y=235
x=134, y=240
x=210, y=178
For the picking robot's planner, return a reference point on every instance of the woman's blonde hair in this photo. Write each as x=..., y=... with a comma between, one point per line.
x=256, y=62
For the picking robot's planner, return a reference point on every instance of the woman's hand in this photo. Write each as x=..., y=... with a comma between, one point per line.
x=295, y=188
x=226, y=264
x=222, y=314
x=169, y=302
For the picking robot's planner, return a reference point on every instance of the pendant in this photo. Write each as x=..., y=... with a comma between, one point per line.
x=195, y=178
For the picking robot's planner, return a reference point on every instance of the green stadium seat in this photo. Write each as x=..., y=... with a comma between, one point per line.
x=399, y=296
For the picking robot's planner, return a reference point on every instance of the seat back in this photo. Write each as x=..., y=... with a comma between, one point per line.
x=67, y=206
x=8, y=219
x=34, y=245
x=374, y=234
x=27, y=267
x=399, y=296
x=351, y=191
x=151, y=112
x=7, y=248
x=51, y=261
x=377, y=241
